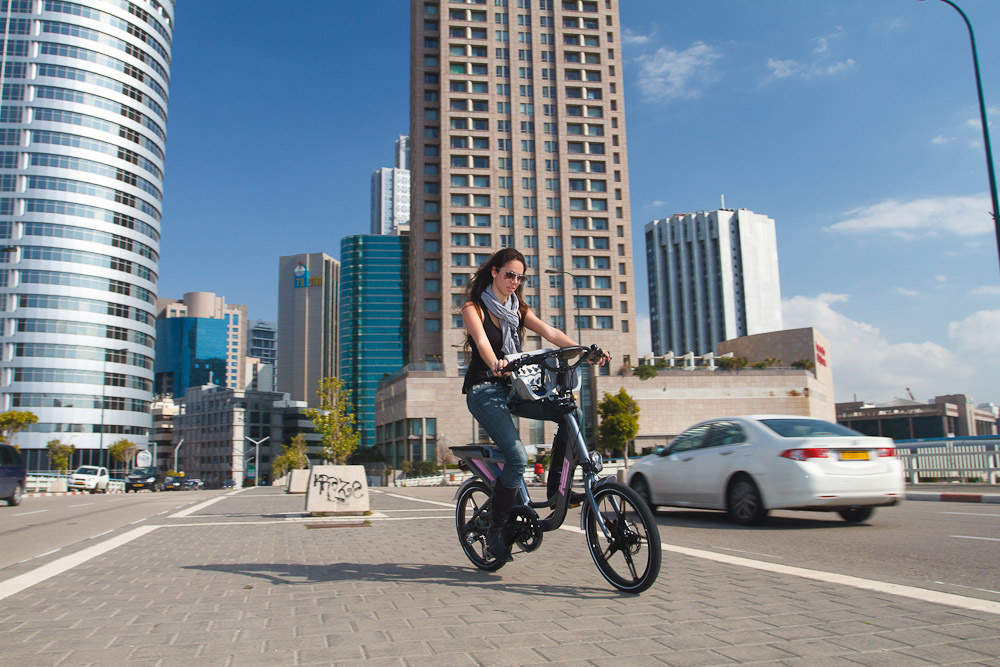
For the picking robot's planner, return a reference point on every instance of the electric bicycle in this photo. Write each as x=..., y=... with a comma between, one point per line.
x=621, y=535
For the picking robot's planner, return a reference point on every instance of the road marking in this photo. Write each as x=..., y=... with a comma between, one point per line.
x=104, y=533
x=82, y=505
x=901, y=590
x=19, y=583
x=418, y=500
x=191, y=510
x=971, y=537
x=970, y=513
x=984, y=590
x=27, y=513
x=753, y=553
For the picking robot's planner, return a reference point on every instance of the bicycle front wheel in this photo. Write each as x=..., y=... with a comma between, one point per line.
x=630, y=558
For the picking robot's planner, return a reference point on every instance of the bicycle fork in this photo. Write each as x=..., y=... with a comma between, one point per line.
x=583, y=454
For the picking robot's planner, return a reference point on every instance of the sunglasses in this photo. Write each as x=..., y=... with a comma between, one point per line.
x=510, y=275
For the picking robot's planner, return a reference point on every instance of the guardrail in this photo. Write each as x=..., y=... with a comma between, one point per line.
x=950, y=459
x=454, y=477
x=53, y=483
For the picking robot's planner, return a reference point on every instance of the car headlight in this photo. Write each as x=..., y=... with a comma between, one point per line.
x=150, y=479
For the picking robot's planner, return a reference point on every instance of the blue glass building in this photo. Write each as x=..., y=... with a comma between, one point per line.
x=190, y=351
x=374, y=319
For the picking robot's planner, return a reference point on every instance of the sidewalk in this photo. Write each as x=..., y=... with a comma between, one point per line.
x=954, y=493
x=250, y=580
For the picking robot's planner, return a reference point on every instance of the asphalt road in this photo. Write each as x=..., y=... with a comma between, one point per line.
x=951, y=547
x=42, y=525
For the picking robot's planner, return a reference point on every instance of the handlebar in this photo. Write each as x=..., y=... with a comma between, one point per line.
x=592, y=353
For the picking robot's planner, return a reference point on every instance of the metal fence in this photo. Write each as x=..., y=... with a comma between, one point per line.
x=951, y=459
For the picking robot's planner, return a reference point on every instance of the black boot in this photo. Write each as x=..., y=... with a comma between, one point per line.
x=496, y=538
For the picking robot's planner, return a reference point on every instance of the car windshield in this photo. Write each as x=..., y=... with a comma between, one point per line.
x=807, y=428
x=86, y=470
x=143, y=471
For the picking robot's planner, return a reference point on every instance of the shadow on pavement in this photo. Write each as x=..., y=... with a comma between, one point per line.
x=296, y=574
x=715, y=520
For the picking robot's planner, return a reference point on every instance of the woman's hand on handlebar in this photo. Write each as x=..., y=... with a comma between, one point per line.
x=599, y=357
x=498, y=366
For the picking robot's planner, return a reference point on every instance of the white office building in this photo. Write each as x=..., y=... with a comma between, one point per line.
x=713, y=276
x=82, y=135
x=390, y=195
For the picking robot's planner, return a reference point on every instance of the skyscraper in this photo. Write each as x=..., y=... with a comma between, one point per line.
x=713, y=276
x=517, y=118
x=200, y=339
x=517, y=123
x=262, y=343
x=308, y=309
x=373, y=319
x=82, y=127
x=390, y=202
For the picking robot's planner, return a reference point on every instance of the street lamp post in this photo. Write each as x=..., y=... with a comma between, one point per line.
x=579, y=332
x=256, y=458
x=104, y=392
x=985, y=124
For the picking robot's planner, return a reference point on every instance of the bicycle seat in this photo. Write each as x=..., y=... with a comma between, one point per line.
x=549, y=378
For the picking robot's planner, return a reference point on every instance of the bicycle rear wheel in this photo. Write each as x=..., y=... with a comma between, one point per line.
x=630, y=559
x=472, y=522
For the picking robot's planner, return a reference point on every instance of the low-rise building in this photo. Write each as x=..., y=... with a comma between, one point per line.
x=949, y=416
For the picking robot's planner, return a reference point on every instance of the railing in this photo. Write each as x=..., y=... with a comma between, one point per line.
x=454, y=477
x=951, y=459
x=52, y=483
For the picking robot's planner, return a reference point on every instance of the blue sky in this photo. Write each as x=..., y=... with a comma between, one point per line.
x=854, y=124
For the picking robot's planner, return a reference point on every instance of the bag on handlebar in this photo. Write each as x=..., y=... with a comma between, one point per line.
x=536, y=382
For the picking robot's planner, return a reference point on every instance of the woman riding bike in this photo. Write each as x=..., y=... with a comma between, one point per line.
x=495, y=317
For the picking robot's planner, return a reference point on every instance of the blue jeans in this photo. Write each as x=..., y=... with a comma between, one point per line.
x=488, y=404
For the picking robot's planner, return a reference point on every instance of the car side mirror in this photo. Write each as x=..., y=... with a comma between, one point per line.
x=661, y=450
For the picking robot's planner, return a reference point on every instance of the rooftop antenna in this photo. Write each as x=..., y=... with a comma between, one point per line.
x=723, y=202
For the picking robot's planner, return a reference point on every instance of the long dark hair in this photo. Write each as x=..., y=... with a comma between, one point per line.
x=483, y=278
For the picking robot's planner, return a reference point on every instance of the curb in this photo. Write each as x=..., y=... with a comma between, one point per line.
x=42, y=494
x=954, y=497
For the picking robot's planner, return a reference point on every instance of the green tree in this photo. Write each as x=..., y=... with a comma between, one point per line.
x=619, y=421
x=14, y=421
x=731, y=363
x=123, y=450
x=292, y=457
x=645, y=372
x=60, y=456
x=334, y=421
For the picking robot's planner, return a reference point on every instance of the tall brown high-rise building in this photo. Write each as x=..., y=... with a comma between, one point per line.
x=517, y=126
x=517, y=119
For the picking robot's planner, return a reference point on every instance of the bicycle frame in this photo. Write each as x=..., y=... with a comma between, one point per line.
x=486, y=462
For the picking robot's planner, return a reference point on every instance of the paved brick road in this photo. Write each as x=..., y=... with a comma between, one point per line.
x=249, y=581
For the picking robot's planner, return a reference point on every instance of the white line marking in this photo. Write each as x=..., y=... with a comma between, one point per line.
x=49, y=570
x=419, y=500
x=969, y=513
x=47, y=553
x=912, y=592
x=27, y=513
x=104, y=533
x=971, y=537
x=984, y=590
x=82, y=505
x=191, y=510
x=754, y=553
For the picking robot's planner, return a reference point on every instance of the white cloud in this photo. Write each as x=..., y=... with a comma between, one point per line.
x=962, y=216
x=906, y=292
x=667, y=74
x=940, y=140
x=782, y=69
x=644, y=334
x=976, y=336
x=867, y=365
x=987, y=290
x=630, y=37
x=821, y=62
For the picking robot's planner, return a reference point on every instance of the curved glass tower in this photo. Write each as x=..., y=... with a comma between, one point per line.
x=82, y=138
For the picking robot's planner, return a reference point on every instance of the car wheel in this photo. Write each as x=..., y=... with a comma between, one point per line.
x=856, y=514
x=640, y=486
x=744, y=503
x=15, y=498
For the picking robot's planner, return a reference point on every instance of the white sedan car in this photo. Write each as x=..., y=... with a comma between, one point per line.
x=753, y=464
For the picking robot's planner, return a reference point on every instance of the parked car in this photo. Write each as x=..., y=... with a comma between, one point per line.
x=13, y=475
x=194, y=484
x=90, y=478
x=144, y=478
x=750, y=465
x=229, y=484
x=172, y=483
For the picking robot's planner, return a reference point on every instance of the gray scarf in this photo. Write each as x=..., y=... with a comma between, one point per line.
x=509, y=318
